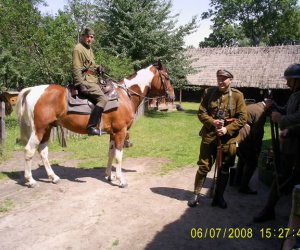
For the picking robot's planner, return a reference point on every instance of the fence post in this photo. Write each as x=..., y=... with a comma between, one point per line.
x=2, y=122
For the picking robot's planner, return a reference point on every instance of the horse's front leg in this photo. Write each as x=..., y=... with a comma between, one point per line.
x=120, y=176
x=111, y=156
x=43, y=150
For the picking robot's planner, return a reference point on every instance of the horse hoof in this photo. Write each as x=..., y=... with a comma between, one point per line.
x=108, y=178
x=123, y=185
x=31, y=184
x=55, y=181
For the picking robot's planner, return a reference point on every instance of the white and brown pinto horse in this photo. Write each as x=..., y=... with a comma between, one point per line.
x=40, y=107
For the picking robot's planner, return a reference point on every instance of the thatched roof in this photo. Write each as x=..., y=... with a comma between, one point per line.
x=257, y=67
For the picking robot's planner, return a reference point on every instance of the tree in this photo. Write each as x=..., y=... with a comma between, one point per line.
x=144, y=31
x=82, y=12
x=253, y=22
x=19, y=21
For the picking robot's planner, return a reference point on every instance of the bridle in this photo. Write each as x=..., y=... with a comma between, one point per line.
x=162, y=76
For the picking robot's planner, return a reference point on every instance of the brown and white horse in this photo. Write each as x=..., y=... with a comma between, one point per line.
x=40, y=107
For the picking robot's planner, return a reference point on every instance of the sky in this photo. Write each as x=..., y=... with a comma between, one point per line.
x=185, y=8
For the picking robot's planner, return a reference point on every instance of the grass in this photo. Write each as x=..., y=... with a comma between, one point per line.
x=169, y=135
x=11, y=135
x=6, y=205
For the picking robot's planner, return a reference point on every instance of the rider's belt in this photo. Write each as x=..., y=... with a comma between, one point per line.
x=90, y=72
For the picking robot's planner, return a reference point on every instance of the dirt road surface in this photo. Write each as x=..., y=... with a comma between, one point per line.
x=84, y=211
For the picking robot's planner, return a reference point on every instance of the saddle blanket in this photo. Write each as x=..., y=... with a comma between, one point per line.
x=80, y=105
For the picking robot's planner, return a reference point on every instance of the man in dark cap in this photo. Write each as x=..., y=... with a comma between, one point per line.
x=85, y=77
x=223, y=113
x=287, y=117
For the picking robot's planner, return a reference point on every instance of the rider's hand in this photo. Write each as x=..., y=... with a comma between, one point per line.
x=101, y=70
x=218, y=123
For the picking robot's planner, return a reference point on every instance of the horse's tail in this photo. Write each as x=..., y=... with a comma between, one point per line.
x=24, y=115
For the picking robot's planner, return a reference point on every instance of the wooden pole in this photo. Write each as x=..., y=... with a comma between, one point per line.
x=2, y=124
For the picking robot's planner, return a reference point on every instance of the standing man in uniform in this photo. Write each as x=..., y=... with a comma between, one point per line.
x=289, y=169
x=85, y=77
x=251, y=136
x=223, y=113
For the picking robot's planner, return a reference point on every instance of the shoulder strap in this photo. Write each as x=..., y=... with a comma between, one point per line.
x=230, y=102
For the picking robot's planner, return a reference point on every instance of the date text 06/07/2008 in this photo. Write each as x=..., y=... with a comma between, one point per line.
x=242, y=233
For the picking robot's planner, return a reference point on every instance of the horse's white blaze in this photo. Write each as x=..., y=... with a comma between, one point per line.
x=143, y=79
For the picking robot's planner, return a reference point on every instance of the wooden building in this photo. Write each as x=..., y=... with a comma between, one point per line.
x=255, y=69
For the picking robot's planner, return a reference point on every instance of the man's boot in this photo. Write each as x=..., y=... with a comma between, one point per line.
x=199, y=180
x=93, y=121
x=246, y=177
x=218, y=199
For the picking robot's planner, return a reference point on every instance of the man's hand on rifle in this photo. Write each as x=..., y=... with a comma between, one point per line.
x=219, y=127
x=222, y=131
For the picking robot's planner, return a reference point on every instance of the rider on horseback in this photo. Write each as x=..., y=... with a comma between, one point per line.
x=85, y=77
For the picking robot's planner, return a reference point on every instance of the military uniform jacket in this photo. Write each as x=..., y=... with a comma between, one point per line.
x=252, y=133
x=233, y=105
x=291, y=117
x=83, y=65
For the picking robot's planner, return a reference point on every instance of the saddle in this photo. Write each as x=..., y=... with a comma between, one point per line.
x=78, y=103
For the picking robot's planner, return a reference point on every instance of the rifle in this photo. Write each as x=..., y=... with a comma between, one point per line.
x=218, y=161
x=276, y=151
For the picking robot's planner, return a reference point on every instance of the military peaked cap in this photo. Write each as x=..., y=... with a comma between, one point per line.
x=88, y=31
x=224, y=72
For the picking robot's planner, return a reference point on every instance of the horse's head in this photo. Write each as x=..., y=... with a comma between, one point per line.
x=161, y=84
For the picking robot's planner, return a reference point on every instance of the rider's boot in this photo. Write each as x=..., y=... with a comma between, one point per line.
x=94, y=120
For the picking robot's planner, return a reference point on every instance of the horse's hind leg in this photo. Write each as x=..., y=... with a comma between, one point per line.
x=30, y=149
x=43, y=150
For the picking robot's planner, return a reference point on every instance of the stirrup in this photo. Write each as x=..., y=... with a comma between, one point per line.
x=93, y=131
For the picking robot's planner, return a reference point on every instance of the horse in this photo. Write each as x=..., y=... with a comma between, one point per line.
x=41, y=107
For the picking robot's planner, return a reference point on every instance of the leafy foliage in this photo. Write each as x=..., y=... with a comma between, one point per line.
x=129, y=35
x=253, y=22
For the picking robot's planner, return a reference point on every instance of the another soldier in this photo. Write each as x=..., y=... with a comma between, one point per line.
x=223, y=113
x=85, y=77
x=289, y=172
x=251, y=136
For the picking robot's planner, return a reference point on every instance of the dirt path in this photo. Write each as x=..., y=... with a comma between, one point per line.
x=83, y=211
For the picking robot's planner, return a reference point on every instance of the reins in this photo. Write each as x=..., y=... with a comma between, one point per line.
x=131, y=92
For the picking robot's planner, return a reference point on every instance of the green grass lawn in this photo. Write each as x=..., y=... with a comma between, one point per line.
x=169, y=135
